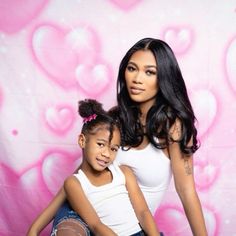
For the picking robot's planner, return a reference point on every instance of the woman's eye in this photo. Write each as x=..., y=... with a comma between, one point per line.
x=130, y=68
x=150, y=72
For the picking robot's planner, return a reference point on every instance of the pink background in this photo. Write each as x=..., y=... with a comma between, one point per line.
x=54, y=53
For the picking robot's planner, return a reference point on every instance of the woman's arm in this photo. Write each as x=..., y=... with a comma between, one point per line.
x=80, y=203
x=141, y=209
x=47, y=215
x=182, y=168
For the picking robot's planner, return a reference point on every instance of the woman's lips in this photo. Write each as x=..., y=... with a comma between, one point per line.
x=136, y=90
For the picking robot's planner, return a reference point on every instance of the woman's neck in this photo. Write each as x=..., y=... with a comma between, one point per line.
x=144, y=108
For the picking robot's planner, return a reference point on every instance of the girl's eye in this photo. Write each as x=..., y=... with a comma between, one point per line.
x=130, y=68
x=101, y=144
x=114, y=149
x=151, y=72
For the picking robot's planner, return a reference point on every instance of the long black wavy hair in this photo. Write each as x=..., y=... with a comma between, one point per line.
x=172, y=102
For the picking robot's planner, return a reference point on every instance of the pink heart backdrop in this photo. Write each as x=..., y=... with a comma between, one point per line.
x=54, y=53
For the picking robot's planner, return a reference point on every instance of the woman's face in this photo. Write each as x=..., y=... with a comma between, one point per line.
x=141, y=77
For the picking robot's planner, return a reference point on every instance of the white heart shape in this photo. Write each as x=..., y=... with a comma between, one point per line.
x=59, y=119
x=230, y=61
x=205, y=107
x=93, y=79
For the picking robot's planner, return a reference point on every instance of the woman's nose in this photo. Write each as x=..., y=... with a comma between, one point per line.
x=138, y=78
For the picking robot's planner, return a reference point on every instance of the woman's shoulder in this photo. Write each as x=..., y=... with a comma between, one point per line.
x=175, y=131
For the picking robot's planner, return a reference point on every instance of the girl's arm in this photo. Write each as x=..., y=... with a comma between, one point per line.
x=47, y=215
x=80, y=203
x=182, y=168
x=141, y=209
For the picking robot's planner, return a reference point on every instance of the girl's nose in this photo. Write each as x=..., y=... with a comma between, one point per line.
x=105, y=152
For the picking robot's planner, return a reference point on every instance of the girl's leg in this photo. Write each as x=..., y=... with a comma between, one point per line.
x=71, y=227
x=68, y=223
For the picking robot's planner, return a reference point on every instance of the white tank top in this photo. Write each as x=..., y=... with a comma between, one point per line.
x=152, y=170
x=111, y=202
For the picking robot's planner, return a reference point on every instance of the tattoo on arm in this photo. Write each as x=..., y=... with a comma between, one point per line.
x=187, y=167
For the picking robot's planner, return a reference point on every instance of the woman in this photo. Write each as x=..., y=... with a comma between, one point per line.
x=158, y=131
x=157, y=121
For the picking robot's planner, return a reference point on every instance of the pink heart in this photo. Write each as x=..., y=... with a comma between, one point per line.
x=230, y=60
x=205, y=175
x=94, y=79
x=57, y=165
x=22, y=196
x=179, y=38
x=59, y=51
x=171, y=221
x=205, y=107
x=126, y=4
x=14, y=15
x=1, y=98
x=212, y=220
x=59, y=119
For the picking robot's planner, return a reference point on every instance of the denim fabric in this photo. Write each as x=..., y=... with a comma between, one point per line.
x=140, y=233
x=65, y=212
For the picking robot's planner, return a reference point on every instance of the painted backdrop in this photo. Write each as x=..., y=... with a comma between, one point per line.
x=54, y=53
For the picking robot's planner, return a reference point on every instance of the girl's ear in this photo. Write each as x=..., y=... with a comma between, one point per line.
x=81, y=140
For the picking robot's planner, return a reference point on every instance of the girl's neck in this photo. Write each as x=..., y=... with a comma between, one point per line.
x=97, y=178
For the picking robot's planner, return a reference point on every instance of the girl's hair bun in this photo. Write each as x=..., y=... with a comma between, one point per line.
x=88, y=107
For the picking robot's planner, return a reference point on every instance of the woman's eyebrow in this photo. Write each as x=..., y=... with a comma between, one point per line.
x=133, y=63
x=151, y=66
x=146, y=66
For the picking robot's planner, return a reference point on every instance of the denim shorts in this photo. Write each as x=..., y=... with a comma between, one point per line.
x=66, y=213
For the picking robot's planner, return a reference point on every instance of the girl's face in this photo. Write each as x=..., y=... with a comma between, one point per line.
x=141, y=77
x=98, y=151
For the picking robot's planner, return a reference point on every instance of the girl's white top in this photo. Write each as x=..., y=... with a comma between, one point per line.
x=152, y=170
x=111, y=202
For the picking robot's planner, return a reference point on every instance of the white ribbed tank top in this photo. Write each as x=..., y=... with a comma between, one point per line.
x=152, y=170
x=111, y=202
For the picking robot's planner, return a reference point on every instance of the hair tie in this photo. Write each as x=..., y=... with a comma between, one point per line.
x=89, y=118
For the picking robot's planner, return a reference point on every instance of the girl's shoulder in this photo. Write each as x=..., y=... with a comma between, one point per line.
x=70, y=182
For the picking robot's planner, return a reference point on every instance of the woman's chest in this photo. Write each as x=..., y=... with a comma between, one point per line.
x=150, y=165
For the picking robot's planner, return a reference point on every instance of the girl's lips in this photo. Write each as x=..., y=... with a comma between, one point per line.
x=102, y=163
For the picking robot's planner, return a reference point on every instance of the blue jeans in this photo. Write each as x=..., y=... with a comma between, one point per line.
x=68, y=215
x=67, y=219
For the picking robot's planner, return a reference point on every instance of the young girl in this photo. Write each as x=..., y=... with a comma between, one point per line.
x=106, y=197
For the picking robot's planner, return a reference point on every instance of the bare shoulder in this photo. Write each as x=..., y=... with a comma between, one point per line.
x=71, y=181
x=126, y=169
x=129, y=175
x=176, y=130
